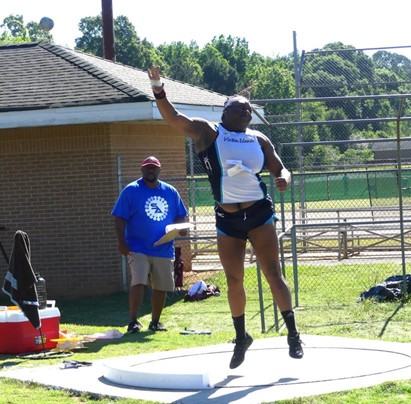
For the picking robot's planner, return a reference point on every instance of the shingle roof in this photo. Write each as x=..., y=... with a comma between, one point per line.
x=40, y=76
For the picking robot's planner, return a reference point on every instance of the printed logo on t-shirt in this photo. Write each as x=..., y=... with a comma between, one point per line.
x=156, y=208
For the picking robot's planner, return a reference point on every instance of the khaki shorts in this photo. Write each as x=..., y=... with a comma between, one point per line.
x=159, y=272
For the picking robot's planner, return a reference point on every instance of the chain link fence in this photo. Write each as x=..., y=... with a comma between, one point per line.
x=347, y=217
x=345, y=222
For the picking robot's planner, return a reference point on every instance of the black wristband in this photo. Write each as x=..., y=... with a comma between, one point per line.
x=160, y=95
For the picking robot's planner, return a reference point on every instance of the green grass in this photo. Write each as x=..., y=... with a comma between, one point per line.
x=336, y=187
x=385, y=393
x=327, y=306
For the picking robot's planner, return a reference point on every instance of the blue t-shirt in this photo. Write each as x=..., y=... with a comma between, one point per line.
x=147, y=212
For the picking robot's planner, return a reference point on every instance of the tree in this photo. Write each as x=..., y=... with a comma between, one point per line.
x=218, y=75
x=236, y=52
x=400, y=65
x=130, y=49
x=36, y=33
x=15, y=26
x=339, y=131
x=92, y=39
x=354, y=157
x=182, y=62
x=14, y=31
x=322, y=156
x=274, y=81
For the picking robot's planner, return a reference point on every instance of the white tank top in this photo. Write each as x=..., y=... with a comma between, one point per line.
x=233, y=163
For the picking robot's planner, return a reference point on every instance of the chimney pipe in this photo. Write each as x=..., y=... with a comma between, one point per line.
x=108, y=30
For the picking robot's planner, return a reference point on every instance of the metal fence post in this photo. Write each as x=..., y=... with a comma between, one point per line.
x=295, y=265
x=400, y=200
x=123, y=258
x=261, y=298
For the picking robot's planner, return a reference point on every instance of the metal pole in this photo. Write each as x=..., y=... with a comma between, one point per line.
x=298, y=70
x=400, y=200
x=108, y=30
x=295, y=268
x=193, y=186
x=294, y=243
x=280, y=245
x=369, y=191
x=281, y=242
x=261, y=299
x=123, y=258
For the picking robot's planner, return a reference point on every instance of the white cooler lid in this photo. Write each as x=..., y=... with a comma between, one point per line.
x=17, y=316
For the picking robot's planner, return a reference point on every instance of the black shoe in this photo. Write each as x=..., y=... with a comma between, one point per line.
x=134, y=326
x=296, y=350
x=241, y=346
x=156, y=326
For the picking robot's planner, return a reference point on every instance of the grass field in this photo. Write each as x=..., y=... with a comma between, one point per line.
x=328, y=306
x=319, y=187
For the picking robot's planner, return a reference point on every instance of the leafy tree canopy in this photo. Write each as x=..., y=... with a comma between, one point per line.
x=226, y=65
x=14, y=31
x=130, y=49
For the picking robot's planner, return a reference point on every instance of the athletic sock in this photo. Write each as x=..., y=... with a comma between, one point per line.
x=239, y=326
x=289, y=319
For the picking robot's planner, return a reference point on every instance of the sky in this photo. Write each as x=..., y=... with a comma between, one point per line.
x=267, y=25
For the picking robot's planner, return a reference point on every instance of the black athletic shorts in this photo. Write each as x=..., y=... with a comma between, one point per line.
x=238, y=224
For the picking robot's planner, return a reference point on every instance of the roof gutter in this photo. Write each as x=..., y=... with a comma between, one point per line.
x=140, y=111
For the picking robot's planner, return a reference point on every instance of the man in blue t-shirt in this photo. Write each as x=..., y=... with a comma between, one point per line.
x=143, y=210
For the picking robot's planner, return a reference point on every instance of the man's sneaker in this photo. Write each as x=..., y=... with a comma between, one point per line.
x=296, y=350
x=241, y=346
x=156, y=326
x=134, y=326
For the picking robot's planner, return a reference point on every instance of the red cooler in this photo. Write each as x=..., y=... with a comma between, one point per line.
x=17, y=335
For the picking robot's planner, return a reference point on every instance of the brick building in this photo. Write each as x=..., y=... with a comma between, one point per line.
x=65, y=118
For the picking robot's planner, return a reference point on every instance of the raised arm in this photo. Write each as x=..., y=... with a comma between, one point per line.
x=200, y=130
x=274, y=164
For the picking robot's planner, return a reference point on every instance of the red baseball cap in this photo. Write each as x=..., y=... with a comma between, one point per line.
x=151, y=161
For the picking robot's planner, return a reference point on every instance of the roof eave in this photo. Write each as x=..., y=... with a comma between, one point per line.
x=141, y=111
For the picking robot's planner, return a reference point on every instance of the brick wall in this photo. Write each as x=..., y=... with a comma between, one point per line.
x=59, y=185
x=134, y=143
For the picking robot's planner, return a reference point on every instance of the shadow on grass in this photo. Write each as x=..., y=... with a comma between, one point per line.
x=399, y=307
x=103, y=310
x=141, y=338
